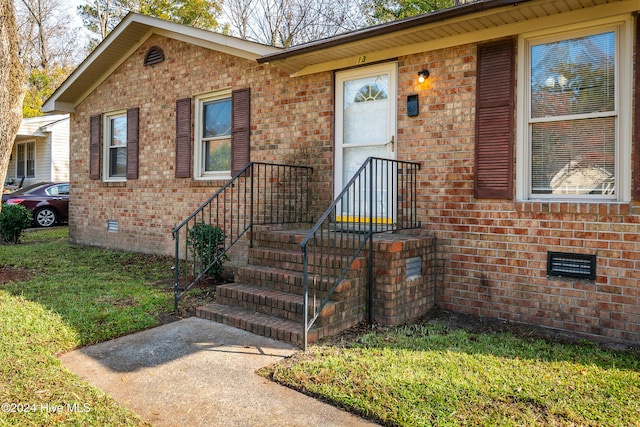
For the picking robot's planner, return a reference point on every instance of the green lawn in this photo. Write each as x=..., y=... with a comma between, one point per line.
x=430, y=375
x=420, y=375
x=73, y=296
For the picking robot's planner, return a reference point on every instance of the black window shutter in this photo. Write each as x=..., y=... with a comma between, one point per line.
x=95, y=139
x=132, y=142
x=240, y=129
x=183, y=138
x=495, y=120
x=636, y=117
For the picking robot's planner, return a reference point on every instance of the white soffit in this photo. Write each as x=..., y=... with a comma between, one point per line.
x=386, y=43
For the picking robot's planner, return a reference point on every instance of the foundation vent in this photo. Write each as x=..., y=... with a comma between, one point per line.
x=580, y=266
x=112, y=226
x=414, y=267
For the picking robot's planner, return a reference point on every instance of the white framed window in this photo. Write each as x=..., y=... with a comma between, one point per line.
x=115, y=146
x=26, y=160
x=212, y=148
x=574, y=124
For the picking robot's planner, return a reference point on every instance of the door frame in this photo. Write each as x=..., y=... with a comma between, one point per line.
x=389, y=141
x=390, y=68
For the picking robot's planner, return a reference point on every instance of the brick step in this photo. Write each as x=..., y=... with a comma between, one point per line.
x=273, y=326
x=259, y=323
x=293, y=260
x=289, y=240
x=272, y=302
x=292, y=281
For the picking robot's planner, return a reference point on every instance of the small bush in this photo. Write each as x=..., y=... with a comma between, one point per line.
x=207, y=245
x=14, y=219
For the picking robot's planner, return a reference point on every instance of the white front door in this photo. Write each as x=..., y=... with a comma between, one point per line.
x=366, y=126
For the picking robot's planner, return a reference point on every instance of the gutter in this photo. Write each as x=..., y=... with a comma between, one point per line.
x=389, y=27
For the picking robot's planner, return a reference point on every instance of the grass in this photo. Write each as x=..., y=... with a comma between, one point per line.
x=430, y=375
x=69, y=296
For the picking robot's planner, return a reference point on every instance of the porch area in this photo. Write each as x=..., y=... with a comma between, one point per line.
x=268, y=293
x=365, y=257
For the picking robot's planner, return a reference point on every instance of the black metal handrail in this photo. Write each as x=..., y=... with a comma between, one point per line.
x=380, y=197
x=261, y=193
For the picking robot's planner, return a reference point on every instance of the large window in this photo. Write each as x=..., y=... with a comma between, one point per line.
x=26, y=160
x=213, y=136
x=573, y=145
x=115, y=146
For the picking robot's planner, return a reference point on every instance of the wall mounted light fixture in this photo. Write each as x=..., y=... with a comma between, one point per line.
x=423, y=75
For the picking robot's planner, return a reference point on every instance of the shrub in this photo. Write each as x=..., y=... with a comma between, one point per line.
x=207, y=246
x=14, y=219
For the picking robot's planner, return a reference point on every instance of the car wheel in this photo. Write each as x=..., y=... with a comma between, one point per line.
x=45, y=217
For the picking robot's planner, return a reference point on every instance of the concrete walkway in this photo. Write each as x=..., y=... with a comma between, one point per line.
x=195, y=372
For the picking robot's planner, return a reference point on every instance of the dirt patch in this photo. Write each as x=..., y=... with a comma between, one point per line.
x=8, y=275
x=202, y=293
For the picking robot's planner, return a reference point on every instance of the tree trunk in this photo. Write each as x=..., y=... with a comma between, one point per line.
x=12, y=86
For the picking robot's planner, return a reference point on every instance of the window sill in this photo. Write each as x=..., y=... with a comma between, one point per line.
x=578, y=207
x=114, y=184
x=213, y=182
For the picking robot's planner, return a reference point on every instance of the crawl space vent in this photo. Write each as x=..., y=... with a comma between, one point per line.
x=580, y=266
x=112, y=225
x=414, y=267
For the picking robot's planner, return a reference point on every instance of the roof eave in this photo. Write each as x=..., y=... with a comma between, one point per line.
x=389, y=27
x=78, y=85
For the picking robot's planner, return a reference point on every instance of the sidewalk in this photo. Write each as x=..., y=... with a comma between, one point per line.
x=195, y=372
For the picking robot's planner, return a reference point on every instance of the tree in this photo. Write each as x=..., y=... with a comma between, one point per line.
x=286, y=23
x=50, y=47
x=195, y=13
x=11, y=85
x=101, y=16
x=391, y=10
x=40, y=85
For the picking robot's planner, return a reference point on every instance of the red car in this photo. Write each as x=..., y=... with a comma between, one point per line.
x=47, y=201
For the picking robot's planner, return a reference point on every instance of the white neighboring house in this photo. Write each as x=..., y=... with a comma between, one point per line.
x=40, y=152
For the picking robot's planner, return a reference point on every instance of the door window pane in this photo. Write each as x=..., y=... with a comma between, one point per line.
x=366, y=110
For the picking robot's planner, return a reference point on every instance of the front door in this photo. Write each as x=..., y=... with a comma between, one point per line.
x=366, y=126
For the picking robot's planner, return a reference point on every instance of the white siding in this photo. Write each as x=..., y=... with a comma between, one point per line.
x=51, y=135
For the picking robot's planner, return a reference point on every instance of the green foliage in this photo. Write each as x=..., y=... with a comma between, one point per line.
x=40, y=85
x=195, y=13
x=207, y=246
x=101, y=16
x=391, y=10
x=14, y=219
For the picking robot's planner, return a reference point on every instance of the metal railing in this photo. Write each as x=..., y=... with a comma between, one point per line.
x=381, y=197
x=261, y=193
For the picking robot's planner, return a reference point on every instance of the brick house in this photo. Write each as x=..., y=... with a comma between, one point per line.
x=523, y=129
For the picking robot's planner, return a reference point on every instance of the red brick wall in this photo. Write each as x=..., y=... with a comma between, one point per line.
x=292, y=122
x=493, y=252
